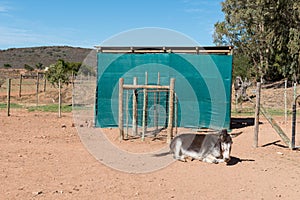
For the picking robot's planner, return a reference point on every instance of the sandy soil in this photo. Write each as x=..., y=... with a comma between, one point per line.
x=42, y=157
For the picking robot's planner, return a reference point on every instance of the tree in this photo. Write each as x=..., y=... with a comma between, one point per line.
x=294, y=42
x=62, y=71
x=261, y=30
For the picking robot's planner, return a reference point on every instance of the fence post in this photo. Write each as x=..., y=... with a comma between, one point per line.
x=45, y=82
x=292, y=145
x=145, y=107
x=156, y=104
x=37, y=89
x=20, y=86
x=295, y=90
x=127, y=113
x=171, y=111
x=134, y=109
x=8, y=96
x=285, y=103
x=59, y=98
x=121, y=129
x=256, y=122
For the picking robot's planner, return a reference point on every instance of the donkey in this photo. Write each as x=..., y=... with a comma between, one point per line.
x=210, y=148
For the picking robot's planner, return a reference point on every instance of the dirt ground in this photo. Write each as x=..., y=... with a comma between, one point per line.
x=42, y=157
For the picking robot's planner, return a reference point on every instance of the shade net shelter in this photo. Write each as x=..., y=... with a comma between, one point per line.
x=202, y=88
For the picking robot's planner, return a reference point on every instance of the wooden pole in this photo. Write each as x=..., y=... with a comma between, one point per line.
x=158, y=87
x=256, y=122
x=275, y=126
x=59, y=98
x=20, y=86
x=285, y=102
x=127, y=113
x=8, y=96
x=45, y=82
x=37, y=89
x=175, y=113
x=156, y=104
x=145, y=107
x=121, y=129
x=134, y=108
x=292, y=144
x=171, y=111
x=295, y=91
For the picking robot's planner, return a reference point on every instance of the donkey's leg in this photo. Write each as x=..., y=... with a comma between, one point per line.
x=178, y=155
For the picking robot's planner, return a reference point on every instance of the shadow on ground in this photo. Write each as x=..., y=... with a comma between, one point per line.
x=241, y=122
x=235, y=160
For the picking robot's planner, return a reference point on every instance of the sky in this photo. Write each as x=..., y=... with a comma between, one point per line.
x=29, y=23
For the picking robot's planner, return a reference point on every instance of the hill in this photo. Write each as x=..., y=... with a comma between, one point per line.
x=46, y=55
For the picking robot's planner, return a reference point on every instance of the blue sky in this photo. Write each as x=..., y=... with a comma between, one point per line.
x=27, y=23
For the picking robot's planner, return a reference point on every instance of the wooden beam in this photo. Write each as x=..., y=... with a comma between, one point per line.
x=121, y=128
x=8, y=96
x=256, y=121
x=134, y=109
x=171, y=111
x=227, y=50
x=145, y=108
x=276, y=127
x=133, y=87
x=20, y=86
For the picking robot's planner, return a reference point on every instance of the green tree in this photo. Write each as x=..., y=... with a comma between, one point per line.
x=242, y=67
x=294, y=42
x=261, y=30
x=62, y=71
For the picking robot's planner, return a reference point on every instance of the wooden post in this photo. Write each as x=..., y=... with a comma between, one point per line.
x=275, y=126
x=175, y=113
x=127, y=113
x=59, y=98
x=134, y=108
x=121, y=129
x=156, y=104
x=145, y=107
x=292, y=143
x=20, y=86
x=295, y=90
x=45, y=82
x=171, y=111
x=37, y=89
x=256, y=122
x=285, y=102
x=8, y=96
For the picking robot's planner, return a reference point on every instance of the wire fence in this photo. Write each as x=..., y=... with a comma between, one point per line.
x=276, y=105
x=278, y=100
x=32, y=91
x=28, y=91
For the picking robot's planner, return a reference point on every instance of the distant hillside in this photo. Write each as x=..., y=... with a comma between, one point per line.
x=18, y=57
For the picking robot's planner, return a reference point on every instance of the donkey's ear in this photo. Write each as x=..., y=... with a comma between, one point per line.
x=223, y=134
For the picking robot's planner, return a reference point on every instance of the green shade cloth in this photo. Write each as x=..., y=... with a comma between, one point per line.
x=202, y=87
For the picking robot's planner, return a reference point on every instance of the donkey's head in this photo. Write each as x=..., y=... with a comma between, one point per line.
x=226, y=143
